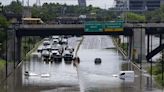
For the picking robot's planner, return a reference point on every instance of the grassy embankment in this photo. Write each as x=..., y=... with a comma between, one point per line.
x=157, y=73
x=29, y=47
x=2, y=64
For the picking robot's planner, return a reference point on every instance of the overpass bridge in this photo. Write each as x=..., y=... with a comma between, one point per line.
x=79, y=29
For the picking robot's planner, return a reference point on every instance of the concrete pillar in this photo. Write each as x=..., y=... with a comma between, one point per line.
x=18, y=50
x=139, y=44
x=10, y=44
x=162, y=39
x=130, y=47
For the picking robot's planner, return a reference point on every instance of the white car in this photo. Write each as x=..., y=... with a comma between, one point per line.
x=46, y=43
x=55, y=41
x=57, y=47
x=127, y=76
x=56, y=56
x=64, y=41
x=55, y=37
x=46, y=55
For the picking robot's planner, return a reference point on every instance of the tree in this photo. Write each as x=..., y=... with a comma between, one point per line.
x=156, y=15
x=135, y=17
x=14, y=7
x=3, y=25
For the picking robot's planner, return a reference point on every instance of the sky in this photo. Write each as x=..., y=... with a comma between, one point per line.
x=105, y=4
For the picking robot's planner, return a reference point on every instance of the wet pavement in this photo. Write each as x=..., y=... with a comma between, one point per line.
x=87, y=77
x=99, y=78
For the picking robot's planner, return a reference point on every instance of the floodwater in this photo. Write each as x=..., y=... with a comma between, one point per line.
x=87, y=77
x=99, y=78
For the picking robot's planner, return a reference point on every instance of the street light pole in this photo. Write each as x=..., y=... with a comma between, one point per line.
x=6, y=52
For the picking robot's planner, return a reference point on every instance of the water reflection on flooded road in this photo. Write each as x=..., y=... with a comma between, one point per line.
x=88, y=77
x=99, y=78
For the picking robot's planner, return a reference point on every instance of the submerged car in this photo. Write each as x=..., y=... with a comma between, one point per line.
x=97, y=60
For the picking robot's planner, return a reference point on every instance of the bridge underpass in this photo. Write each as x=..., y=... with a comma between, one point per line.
x=34, y=31
x=133, y=30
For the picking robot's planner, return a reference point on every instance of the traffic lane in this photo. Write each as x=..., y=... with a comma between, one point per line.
x=100, y=77
x=97, y=42
x=62, y=73
x=67, y=79
x=93, y=76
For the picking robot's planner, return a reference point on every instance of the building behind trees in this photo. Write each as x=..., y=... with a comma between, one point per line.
x=138, y=4
x=82, y=3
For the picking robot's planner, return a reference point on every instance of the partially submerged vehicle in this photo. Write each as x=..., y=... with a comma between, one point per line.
x=127, y=75
x=97, y=60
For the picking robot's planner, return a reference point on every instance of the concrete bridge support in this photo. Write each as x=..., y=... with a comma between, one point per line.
x=18, y=50
x=161, y=39
x=13, y=49
x=130, y=44
x=139, y=44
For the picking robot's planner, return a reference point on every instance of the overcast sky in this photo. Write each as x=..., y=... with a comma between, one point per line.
x=99, y=3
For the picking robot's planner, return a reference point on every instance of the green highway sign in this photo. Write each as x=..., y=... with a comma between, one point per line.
x=93, y=26
x=112, y=26
x=109, y=26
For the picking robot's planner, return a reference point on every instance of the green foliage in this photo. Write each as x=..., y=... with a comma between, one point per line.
x=155, y=70
x=3, y=25
x=3, y=22
x=2, y=64
x=52, y=10
x=156, y=15
x=14, y=7
x=159, y=79
x=135, y=17
x=124, y=46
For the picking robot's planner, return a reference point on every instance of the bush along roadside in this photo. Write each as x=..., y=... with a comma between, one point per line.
x=123, y=46
x=2, y=64
x=29, y=45
x=158, y=72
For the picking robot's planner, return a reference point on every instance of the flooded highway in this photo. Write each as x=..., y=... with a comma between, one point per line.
x=99, y=78
x=87, y=77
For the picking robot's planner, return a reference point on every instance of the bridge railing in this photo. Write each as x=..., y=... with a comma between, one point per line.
x=51, y=26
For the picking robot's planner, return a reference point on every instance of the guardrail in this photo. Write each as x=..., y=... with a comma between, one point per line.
x=51, y=26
